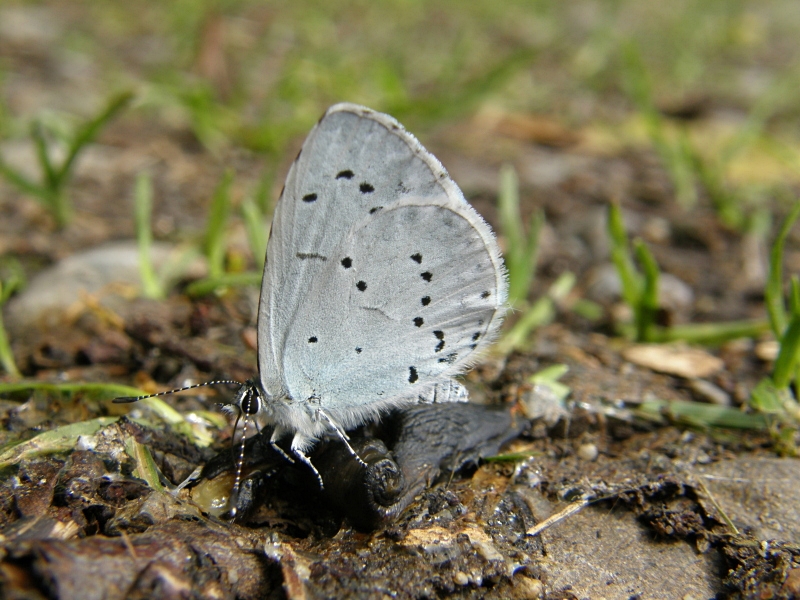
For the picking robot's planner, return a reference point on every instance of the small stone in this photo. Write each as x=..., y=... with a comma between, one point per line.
x=461, y=578
x=688, y=363
x=767, y=350
x=657, y=230
x=527, y=587
x=588, y=452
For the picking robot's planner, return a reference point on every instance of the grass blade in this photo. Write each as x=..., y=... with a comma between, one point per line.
x=145, y=468
x=521, y=250
x=215, y=229
x=99, y=390
x=621, y=257
x=89, y=131
x=211, y=284
x=711, y=334
x=789, y=354
x=143, y=208
x=40, y=143
x=699, y=414
x=21, y=182
x=542, y=312
x=648, y=302
x=6, y=355
x=60, y=439
x=257, y=230
x=773, y=294
x=12, y=278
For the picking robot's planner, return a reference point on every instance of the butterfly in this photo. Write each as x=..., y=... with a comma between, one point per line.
x=381, y=284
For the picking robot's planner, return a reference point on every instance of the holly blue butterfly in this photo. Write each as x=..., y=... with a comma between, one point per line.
x=381, y=284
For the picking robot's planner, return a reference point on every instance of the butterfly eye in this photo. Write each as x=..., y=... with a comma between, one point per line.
x=251, y=403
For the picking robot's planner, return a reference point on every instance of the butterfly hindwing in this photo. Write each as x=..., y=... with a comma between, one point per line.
x=392, y=313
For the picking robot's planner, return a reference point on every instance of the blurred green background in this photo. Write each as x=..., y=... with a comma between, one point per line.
x=257, y=74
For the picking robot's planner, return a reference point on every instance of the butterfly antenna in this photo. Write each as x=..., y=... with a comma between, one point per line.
x=127, y=399
x=248, y=403
x=237, y=481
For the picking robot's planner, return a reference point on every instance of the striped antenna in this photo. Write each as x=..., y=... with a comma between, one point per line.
x=245, y=397
x=233, y=499
x=127, y=399
x=247, y=394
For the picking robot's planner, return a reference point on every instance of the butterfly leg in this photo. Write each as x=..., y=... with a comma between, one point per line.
x=299, y=444
x=342, y=436
x=273, y=441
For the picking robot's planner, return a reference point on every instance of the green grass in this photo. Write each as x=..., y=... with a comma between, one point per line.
x=774, y=400
x=640, y=293
x=214, y=245
x=520, y=257
x=778, y=395
x=188, y=427
x=540, y=313
x=156, y=283
x=257, y=230
x=143, y=209
x=12, y=278
x=51, y=191
x=522, y=247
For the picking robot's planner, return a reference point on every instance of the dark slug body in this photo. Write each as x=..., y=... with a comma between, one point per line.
x=409, y=451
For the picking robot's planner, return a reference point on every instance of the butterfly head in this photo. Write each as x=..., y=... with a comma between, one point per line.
x=249, y=399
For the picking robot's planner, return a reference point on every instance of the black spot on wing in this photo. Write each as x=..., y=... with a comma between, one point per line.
x=347, y=262
x=412, y=374
x=346, y=174
x=358, y=350
x=425, y=300
x=417, y=258
x=361, y=285
x=427, y=275
x=309, y=198
x=450, y=358
x=307, y=255
x=439, y=336
x=366, y=188
x=486, y=294
x=375, y=209
x=312, y=339
x=418, y=321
